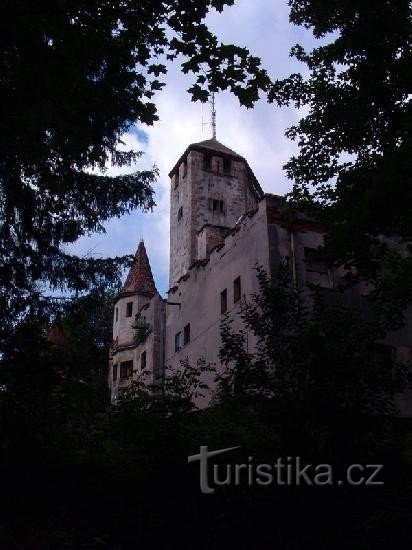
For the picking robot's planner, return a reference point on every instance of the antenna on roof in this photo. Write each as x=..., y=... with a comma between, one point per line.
x=212, y=115
x=213, y=118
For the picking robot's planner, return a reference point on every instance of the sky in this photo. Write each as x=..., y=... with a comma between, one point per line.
x=257, y=134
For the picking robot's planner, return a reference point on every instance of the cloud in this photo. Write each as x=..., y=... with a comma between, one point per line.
x=139, y=134
x=257, y=134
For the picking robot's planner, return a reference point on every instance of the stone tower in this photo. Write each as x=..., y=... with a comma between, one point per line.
x=211, y=188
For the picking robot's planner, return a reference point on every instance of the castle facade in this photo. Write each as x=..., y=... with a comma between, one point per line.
x=222, y=225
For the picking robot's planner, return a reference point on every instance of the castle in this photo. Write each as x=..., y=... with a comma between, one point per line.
x=221, y=226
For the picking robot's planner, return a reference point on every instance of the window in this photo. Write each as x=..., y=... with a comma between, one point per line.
x=129, y=309
x=216, y=205
x=227, y=166
x=117, y=314
x=126, y=369
x=180, y=214
x=184, y=170
x=143, y=361
x=207, y=161
x=178, y=341
x=237, y=290
x=186, y=334
x=114, y=373
x=317, y=272
x=223, y=301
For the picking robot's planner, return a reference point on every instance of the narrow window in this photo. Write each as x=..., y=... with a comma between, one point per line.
x=223, y=301
x=129, y=309
x=126, y=369
x=178, y=341
x=180, y=214
x=186, y=334
x=216, y=205
x=227, y=166
x=207, y=161
x=143, y=361
x=114, y=373
x=117, y=314
x=184, y=171
x=236, y=290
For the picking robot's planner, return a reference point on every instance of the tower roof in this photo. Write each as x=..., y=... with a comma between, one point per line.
x=213, y=145
x=206, y=146
x=140, y=278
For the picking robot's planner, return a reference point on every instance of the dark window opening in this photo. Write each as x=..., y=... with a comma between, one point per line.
x=186, y=334
x=207, y=161
x=180, y=214
x=317, y=271
x=126, y=369
x=216, y=205
x=129, y=309
x=237, y=290
x=114, y=373
x=223, y=301
x=178, y=341
x=227, y=166
x=143, y=361
x=184, y=171
x=117, y=314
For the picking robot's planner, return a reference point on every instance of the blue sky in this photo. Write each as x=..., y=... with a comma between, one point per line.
x=257, y=134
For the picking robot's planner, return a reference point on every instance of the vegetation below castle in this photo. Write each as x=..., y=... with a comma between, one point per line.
x=79, y=472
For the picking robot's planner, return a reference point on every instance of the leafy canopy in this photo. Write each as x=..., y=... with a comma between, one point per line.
x=74, y=77
x=353, y=169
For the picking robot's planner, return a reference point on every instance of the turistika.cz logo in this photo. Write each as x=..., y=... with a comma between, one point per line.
x=289, y=471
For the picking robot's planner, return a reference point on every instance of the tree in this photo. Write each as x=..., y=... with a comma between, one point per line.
x=353, y=169
x=52, y=390
x=74, y=77
x=315, y=363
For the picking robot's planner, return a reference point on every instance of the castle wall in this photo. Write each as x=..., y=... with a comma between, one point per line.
x=219, y=232
x=199, y=295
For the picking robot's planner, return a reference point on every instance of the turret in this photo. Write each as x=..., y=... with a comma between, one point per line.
x=137, y=291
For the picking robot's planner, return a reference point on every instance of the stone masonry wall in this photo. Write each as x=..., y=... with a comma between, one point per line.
x=191, y=190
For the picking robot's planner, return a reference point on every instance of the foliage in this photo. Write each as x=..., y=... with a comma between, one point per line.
x=177, y=391
x=74, y=78
x=313, y=359
x=49, y=389
x=142, y=329
x=353, y=169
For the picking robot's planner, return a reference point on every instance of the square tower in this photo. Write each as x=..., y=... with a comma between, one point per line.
x=211, y=188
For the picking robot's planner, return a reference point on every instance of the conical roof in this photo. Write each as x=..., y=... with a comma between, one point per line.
x=140, y=278
x=56, y=334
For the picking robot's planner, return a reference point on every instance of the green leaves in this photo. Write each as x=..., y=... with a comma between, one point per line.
x=353, y=168
x=74, y=79
x=312, y=356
